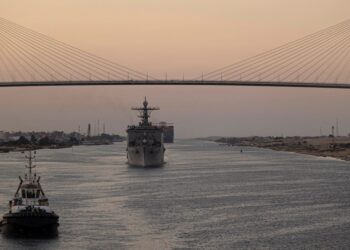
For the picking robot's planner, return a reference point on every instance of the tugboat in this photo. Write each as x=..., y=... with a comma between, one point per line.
x=29, y=212
x=145, y=146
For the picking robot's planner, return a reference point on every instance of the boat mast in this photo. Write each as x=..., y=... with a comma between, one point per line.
x=30, y=165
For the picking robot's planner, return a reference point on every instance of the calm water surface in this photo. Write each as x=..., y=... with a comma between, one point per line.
x=206, y=197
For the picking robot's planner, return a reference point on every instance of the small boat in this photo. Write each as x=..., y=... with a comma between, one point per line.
x=29, y=211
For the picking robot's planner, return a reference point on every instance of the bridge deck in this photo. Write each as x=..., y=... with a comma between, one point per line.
x=177, y=83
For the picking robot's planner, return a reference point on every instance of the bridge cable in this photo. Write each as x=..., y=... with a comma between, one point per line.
x=84, y=53
x=81, y=61
x=278, y=48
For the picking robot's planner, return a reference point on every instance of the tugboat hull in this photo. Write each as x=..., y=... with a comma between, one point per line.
x=29, y=225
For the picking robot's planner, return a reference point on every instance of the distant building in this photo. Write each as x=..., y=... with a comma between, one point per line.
x=14, y=138
x=3, y=136
x=76, y=136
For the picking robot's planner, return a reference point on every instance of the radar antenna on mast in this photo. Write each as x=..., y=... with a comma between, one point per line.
x=145, y=112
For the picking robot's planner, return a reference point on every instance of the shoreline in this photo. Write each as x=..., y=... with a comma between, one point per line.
x=8, y=149
x=21, y=148
x=334, y=147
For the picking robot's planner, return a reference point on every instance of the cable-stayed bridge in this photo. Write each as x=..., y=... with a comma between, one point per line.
x=319, y=60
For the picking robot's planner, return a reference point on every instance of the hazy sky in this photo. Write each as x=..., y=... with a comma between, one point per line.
x=178, y=37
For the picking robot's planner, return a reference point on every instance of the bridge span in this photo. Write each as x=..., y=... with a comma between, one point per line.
x=319, y=60
x=176, y=83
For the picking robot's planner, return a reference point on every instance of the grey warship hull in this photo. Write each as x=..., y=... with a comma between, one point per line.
x=144, y=156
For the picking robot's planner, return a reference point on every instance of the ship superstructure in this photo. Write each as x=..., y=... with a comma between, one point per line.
x=29, y=210
x=145, y=145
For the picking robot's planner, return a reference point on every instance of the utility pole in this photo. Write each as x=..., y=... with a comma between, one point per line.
x=337, y=129
x=98, y=127
x=89, y=131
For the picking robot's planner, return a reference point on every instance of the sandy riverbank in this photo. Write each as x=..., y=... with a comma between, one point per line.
x=337, y=147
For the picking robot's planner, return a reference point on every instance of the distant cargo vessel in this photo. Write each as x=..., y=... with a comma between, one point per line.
x=168, y=131
x=145, y=145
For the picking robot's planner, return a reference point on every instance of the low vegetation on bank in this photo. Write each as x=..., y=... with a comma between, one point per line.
x=20, y=141
x=326, y=146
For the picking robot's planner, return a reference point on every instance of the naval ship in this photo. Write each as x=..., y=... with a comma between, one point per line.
x=29, y=212
x=145, y=146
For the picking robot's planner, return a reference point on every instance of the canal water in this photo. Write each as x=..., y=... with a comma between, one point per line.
x=207, y=196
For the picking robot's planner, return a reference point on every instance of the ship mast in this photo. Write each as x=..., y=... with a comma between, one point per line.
x=30, y=166
x=145, y=112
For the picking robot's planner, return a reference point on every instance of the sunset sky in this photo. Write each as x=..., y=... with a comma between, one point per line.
x=177, y=37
